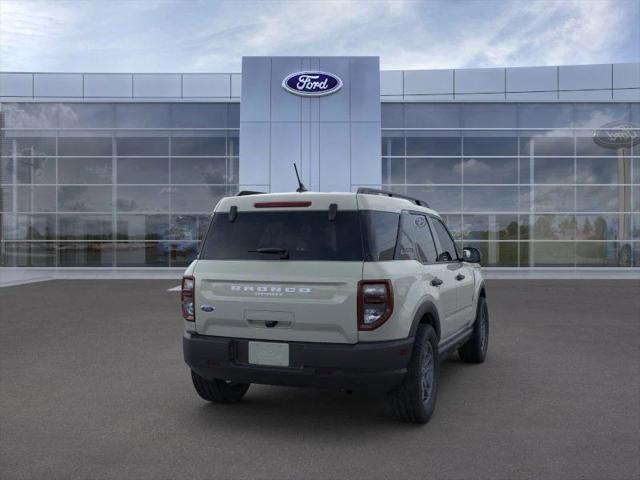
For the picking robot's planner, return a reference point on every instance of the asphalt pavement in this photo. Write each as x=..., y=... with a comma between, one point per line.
x=93, y=386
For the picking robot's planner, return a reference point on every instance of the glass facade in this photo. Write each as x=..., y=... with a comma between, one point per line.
x=129, y=184
x=524, y=183
x=113, y=184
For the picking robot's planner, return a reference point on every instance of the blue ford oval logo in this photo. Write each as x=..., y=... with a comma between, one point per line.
x=207, y=308
x=312, y=83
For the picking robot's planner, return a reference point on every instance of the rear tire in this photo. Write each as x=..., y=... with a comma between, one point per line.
x=474, y=350
x=219, y=391
x=415, y=399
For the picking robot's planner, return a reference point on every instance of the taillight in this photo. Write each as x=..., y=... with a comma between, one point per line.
x=375, y=303
x=187, y=297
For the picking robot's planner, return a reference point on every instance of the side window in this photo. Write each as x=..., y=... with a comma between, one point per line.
x=447, y=251
x=381, y=229
x=415, y=241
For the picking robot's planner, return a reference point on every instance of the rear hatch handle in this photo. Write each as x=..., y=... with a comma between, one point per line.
x=283, y=252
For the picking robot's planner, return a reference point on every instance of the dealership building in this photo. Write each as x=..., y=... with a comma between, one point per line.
x=537, y=167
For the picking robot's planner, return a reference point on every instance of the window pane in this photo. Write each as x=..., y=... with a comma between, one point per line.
x=553, y=170
x=6, y=170
x=142, y=227
x=199, y=115
x=552, y=254
x=536, y=115
x=28, y=227
x=546, y=146
x=598, y=114
x=554, y=227
x=198, y=170
x=602, y=198
x=392, y=115
x=415, y=240
x=6, y=198
x=454, y=224
x=431, y=115
x=491, y=199
x=198, y=146
x=489, y=115
x=29, y=254
x=84, y=170
x=143, y=199
x=434, y=170
x=30, y=115
x=604, y=227
x=87, y=254
x=196, y=199
x=496, y=254
x=84, y=199
x=490, y=227
x=381, y=232
x=29, y=146
x=84, y=146
x=442, y=199
x=392, y=145
x=143, y=146
x=603, y=254
x=140, y=254
x=143, y=170
x=188, y=227
x=145, y=115
x=393, y=170
x=87, y=115
x=183, y=253
x=36, y=199
x=36, y=170
x=490, y=146
x=553, y=199
x=586, y=146
x=85, y=227
x=603, y=170
x=433, y=146
x=447, y=245
x=490, y=170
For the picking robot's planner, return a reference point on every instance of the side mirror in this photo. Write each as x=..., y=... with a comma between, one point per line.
x=471, y=255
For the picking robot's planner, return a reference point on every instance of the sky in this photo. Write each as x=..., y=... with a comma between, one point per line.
x=212, y=36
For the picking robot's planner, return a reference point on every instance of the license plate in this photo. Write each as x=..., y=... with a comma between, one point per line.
x=269, y=353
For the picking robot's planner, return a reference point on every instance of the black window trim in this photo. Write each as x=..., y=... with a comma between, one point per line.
x=433, y=218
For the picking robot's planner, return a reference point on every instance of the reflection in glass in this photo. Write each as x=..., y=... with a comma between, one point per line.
x=36, y=199
x=85, y=227
x=442, y=199
x=30, y=115
x=546, y=146
x=188, y=227
x=86, y=254
x=196, y=199
x=603, y=227
x=143, y=199
x=496, y=254
x=87, y=115
x=602, y=198
x=393, y=170
x=553, y=199
x=28, y=254
x=183, y=253
x=142, y=146
x=28, y=227
x=490, y=227
x=603, y=170
x=6, y=170
x=491, y=199
x=85, y=146
x=84, y=199
x=552, y=254
x=392, y=145
x=36, y=170
x=554, y=227
x=142, y=227
x=490, y=146
x=199, y=115
x=142, y=115
x=604, y=254
x=433, y=170
x=198, y=146
x=30, y=146
x=432, y=146
x=84, y=170
x=141, y=254
x=553, y=170
x=143, y=170
x=198, y=170
x=6, y=198
x=490, y=170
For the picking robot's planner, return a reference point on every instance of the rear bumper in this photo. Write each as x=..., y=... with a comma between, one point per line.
x=363, y=366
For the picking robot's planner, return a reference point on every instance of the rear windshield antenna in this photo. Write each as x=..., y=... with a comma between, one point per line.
x=301, y=187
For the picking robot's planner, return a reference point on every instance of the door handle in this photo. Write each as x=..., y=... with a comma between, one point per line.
x=436, y=282
x=460, y=277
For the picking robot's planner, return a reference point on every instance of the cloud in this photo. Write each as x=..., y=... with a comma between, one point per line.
x=213, y=36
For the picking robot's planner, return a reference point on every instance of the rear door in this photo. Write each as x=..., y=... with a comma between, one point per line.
x=280, y=274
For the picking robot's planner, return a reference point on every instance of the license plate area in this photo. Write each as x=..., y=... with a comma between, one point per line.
x=269, y=353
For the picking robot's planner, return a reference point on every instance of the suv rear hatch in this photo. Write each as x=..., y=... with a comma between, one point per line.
x=281, y=267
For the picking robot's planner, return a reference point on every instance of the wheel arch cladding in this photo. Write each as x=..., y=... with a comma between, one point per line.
x=427, y=314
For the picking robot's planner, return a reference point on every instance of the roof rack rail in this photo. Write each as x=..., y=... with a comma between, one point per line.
x=243, y=193
x=386, y=193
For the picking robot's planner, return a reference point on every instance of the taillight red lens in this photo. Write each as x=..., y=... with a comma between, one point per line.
x=187, y=298
x=375, y=303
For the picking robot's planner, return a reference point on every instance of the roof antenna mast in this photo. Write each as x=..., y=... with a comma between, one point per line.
x=301, y=187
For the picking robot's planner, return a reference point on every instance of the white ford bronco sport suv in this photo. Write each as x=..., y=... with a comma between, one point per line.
x=361, y=290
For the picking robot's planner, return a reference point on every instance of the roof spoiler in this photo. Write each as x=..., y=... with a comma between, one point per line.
x=386, y=193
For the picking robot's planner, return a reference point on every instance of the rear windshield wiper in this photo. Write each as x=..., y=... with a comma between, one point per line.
x=283, y=252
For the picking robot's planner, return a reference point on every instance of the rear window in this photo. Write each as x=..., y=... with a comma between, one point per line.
x=304, y=235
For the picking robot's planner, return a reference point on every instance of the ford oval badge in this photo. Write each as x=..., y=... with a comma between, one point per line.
x=207, y=308
x=617, y=135
x=312, y=83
